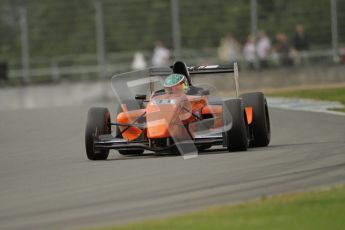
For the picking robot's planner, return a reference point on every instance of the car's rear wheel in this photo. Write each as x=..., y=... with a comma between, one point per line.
x=98, y=123
x=131, y=104
x=235, y=138
x=261, y=121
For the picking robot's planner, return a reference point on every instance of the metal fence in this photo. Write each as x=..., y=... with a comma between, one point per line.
x=90, y=38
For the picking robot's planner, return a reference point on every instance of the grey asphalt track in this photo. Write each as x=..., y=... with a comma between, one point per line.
x=46, y=182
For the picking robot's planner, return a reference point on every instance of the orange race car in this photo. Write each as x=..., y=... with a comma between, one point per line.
x=179, y=117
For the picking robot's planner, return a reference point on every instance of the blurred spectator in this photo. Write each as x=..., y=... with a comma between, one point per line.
x=342, y=55
x=300, y=40
x=229, y=49
x=283, y=49
x=300, y=44
x=161, y=55
x=263, y=48
x=138, y=61
x=249, y=52
x=3, y=73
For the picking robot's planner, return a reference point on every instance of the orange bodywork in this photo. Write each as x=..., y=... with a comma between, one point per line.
x=249, y=114
x=216, y=111
x=128, y=117
x=169, y=115
x=166, y=116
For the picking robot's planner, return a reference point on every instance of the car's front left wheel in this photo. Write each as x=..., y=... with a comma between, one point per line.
x=261, y=120
x=235, y=124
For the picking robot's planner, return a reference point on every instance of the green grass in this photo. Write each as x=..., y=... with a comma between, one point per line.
x=339, y=109
x=329, y=94
x=311, y=210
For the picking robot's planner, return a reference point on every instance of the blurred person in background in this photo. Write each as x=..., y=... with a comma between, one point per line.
x=342, y=55
x=138, y=61
x=263, y=48
x=3, y=72
x=229, y=49
x=300, y=43
x=283, y=49
x=249, y=52
x=161, y=55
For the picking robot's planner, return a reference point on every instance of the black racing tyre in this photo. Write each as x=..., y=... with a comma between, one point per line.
x=235, y=139
x=132, y=104
x=261, y=121
x=98, y=123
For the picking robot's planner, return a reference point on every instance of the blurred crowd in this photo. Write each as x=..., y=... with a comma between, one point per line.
x=161, y=56
x=260, y=51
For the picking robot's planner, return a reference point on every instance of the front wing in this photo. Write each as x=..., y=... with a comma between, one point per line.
x=110, y=142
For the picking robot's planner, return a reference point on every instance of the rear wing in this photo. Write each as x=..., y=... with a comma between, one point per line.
x=195, y=70
x=211, y=69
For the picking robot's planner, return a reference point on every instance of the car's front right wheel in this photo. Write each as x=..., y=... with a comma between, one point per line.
x=98, y=123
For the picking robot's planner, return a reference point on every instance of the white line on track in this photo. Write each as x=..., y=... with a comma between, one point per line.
x=305, y=105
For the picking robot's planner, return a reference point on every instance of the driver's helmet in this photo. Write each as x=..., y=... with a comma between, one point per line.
x=176, y=83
